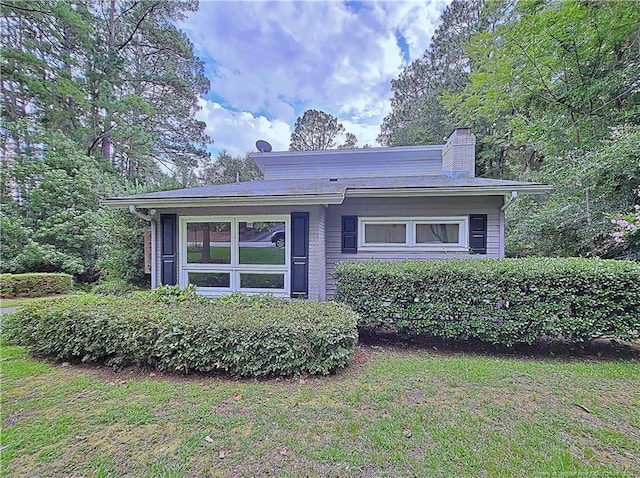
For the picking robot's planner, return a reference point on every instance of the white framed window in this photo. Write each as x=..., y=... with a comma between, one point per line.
x=424, y=234
x=241, y=253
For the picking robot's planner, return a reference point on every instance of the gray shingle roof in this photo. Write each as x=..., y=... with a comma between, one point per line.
x=325, y=190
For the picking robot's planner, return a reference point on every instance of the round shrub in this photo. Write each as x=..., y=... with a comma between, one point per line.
x=243, y=338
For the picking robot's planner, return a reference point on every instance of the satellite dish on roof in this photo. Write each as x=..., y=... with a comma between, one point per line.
x=263, y=146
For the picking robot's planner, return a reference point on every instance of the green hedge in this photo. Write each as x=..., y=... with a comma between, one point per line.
x=238, y=336
x=501, y=301
x=34, y=284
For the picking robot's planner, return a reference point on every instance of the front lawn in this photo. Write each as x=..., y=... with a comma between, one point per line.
x=19, y=302
x=391, y=413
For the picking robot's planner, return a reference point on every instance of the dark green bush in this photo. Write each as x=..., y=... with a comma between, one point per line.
x=267, y=338
x=175, y=293
x=35, y=284
x=501, y=301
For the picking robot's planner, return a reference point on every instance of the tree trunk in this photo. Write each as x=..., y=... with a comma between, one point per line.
x=206, y=243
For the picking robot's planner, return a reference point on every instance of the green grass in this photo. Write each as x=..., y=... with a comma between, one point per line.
x=25, y=300
x=248, y=255
x=391, y=413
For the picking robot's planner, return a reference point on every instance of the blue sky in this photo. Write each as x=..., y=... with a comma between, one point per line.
x=270, y=61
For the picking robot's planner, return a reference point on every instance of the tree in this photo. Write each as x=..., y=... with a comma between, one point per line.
x=421, y=112
x=557, y=76
x=560, y=82
x=115, y=76
x=626, y=235
x=96, y=95
x=350, y=141
x=55, y=226
x=41, y=83
x=316, y=130
x=145, y=83
x=418, y=115
x=590, y=188
x=229, y=169
x=551, y=91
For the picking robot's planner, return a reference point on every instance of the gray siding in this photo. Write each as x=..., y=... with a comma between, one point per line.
x=426, y=164
x=325, y=224
x=410, y=207
x=317, y=253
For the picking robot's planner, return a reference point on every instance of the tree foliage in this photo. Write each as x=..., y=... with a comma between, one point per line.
x=97, y=96
x=627, y=230
x=551, y=92
x=558, y=76
x=229, y=169
x=52, y=228
x=116, y=76
x=316, y=130
x=418, y=115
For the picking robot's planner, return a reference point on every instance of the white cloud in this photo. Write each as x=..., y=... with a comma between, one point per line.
x=273, y=60
x=366, y=133
x=237, y=132
x=416, y=21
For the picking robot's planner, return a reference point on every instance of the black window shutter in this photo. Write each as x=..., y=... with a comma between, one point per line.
x=349, y=234
x=478, y=233
x=299, y=254
x=169, y=235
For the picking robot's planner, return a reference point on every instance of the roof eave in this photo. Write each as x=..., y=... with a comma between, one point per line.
x=448, y=191
x=323, y=198
x=299, y=199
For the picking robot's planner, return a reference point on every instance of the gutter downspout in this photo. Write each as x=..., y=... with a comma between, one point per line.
x=133, y=210
x=514, y=195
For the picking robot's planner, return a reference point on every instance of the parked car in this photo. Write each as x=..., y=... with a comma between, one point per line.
x=277, y=238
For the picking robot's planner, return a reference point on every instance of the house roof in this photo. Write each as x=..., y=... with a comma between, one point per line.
x=324, y=191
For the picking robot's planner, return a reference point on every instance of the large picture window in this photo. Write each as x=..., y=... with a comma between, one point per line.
x=401, y=234
x=248, y=254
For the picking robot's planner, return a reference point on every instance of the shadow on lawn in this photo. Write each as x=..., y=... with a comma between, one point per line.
x=598, y=349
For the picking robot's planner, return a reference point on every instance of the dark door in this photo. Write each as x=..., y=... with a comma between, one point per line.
x=299, y=254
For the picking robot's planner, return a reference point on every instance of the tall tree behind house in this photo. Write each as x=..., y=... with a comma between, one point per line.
x=113, y=81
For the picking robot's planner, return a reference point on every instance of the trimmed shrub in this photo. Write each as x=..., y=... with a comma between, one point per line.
x=501, y=301
x=175, y=293
x=34, y=284
x=239, y=337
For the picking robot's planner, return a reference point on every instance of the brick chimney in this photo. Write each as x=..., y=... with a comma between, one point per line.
x=459, y=154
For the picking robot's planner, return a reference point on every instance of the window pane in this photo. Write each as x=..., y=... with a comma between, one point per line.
x=437, y=233
x=262, y=242
x=262, y=281
x=210, y=279
x=209, y=243
x=385, y=233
